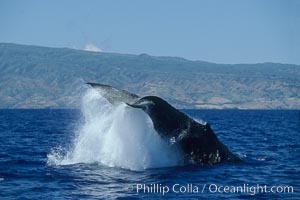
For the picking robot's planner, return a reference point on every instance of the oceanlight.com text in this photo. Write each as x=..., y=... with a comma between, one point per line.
x=246, y=188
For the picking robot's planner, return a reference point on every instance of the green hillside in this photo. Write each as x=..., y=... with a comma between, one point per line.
x=42, y=77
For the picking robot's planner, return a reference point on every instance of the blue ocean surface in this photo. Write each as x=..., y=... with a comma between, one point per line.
x=267, y=141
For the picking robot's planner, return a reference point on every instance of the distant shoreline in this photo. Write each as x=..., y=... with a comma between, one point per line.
x=42, y=77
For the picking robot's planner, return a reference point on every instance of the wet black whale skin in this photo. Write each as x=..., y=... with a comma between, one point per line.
x=198, y=142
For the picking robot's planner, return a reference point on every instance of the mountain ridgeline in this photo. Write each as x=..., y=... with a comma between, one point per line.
x=42, y=77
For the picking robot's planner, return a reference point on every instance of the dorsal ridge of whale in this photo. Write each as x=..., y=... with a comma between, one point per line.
x=167, y=117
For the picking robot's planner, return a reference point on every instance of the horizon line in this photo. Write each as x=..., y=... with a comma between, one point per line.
x=163, y=56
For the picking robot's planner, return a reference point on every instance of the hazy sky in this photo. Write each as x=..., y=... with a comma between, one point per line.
x=231, y=31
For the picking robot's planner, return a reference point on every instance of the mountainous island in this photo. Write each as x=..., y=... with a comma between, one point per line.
x=43, y=77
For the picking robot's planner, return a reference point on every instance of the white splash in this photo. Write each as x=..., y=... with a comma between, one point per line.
x=92, y=47
x=115, y=136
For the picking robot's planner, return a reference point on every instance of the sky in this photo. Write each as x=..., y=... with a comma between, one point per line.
x=231, y=31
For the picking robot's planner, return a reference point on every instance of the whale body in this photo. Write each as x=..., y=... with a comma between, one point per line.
x=197, y=142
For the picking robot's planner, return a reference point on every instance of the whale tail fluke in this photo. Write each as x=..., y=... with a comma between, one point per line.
x=197, y=141
x=114, y=95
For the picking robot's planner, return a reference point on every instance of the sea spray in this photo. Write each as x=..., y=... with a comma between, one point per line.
x=116, y=136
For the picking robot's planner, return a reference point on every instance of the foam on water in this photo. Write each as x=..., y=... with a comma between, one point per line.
x=116, y=136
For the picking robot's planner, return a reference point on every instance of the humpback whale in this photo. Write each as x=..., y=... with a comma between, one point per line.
x=197, y=142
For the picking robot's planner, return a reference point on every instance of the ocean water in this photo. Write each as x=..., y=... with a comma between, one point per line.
x=79, y=154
